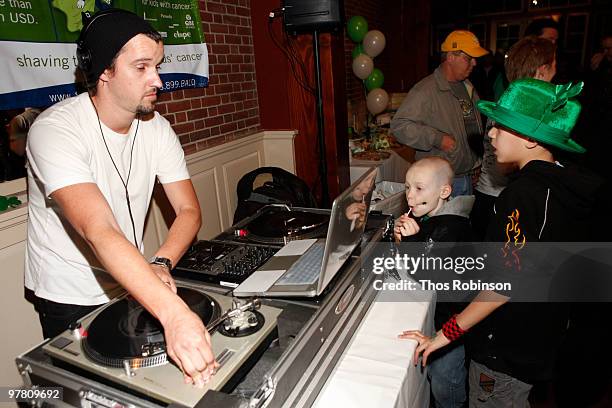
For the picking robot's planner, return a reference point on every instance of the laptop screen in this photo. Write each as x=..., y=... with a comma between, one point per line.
x=346, y=225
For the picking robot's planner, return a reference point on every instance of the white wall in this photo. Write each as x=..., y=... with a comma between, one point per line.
x=215, y=173
x=18, y=319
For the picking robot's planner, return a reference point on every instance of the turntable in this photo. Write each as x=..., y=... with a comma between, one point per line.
x=123, y=344
x=274, y=225
x=277, y=224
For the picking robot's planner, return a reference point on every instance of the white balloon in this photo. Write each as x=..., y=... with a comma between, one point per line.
x=374, y=42
x=377, y=101
x=363, y=66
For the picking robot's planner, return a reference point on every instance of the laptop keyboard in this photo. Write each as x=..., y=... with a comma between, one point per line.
x=306, y=270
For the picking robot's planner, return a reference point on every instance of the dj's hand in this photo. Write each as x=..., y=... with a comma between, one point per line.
x=164, y=275
x=188, y=344
x=405, y=226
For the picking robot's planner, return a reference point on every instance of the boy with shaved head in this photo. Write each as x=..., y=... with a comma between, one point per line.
x=435, y=217
x=428, y=191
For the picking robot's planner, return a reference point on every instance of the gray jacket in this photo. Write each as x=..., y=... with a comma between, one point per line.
x=430, y=110
x=460, y=206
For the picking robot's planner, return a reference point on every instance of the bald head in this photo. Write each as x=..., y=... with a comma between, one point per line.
x=439, y=168
x=428, y=185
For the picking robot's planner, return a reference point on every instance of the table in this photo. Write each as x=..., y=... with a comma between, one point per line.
x=391, y=169
x=376, y=368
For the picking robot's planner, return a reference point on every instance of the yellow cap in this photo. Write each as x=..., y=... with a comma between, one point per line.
x=463, y=40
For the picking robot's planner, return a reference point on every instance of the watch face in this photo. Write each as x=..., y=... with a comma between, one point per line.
x=162, y=261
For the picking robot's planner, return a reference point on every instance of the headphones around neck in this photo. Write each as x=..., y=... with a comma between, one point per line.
x=84, y=58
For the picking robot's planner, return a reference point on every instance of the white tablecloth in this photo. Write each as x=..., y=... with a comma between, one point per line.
x=376, y=369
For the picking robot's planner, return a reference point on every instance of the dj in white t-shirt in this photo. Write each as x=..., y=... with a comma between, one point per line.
x=93, y=162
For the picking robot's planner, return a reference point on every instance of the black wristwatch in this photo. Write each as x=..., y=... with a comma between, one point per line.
x=158, y=260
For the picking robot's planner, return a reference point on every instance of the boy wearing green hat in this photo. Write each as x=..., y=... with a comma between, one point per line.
x=515, y=344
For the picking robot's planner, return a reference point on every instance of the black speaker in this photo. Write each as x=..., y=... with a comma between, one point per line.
x=309, y=15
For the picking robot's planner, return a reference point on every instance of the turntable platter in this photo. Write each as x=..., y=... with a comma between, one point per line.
x=278, y=223
x=161, y=384
x=125, y=332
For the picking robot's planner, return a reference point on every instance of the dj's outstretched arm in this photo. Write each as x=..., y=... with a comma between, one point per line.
x=183, y=230
x=188, y=341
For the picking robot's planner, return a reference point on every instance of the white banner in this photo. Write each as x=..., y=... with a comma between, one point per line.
x=40, y=74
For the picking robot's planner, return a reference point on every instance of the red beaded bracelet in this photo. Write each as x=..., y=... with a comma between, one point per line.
x=451, y=329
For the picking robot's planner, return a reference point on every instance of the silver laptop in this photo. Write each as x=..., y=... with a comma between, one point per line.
x=305, y=267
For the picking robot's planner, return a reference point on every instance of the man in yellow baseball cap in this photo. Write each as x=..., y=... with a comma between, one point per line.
x=438, y=116
x=466, y=41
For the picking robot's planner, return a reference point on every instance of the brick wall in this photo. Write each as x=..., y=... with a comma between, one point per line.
x=228, y=107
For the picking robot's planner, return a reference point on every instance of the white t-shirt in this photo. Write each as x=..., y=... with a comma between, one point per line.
x=65, y=147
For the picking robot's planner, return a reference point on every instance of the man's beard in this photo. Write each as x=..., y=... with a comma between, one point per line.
x=145, y=110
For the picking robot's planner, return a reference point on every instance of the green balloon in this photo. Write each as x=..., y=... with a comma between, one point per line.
x=375, y=79
x=357, y=27
x=358, y=49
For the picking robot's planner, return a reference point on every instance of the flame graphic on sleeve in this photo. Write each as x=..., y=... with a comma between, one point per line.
x=515, y=241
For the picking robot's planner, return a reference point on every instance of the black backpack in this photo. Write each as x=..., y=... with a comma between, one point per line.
x=273, y=185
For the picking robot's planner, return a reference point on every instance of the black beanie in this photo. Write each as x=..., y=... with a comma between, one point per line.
x=105, y=33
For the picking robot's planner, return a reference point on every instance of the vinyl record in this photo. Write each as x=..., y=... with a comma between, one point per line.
x=274, y=225
x=125, y=331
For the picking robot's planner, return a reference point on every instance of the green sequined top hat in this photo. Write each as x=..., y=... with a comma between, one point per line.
x=539, y=110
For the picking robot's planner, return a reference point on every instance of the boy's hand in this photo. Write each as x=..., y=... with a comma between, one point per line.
x=405, y=227
x=447, y=143
x=356, y=213
x=426, y=344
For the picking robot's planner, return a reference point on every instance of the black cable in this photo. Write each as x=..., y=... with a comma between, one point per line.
x=293, y=50
x=300, y=63
x=293, y=60
x=127, y=179
x=294, y=53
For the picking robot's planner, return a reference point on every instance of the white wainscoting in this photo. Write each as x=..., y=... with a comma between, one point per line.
x=18, y=319
x=215, y=172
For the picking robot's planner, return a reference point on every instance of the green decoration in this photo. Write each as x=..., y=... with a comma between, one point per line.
x=375, y=79
x=6, y=202
x=357, y=27
x=357, y=50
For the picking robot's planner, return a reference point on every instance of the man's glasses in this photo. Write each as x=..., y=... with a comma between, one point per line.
x=466, y=57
